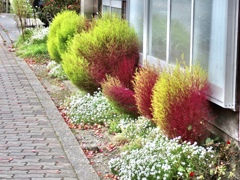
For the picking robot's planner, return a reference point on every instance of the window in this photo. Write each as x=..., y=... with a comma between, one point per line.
x=180, y=30
x=114, y=6
x=203, y=31
x=136, y=20
x=158, y=29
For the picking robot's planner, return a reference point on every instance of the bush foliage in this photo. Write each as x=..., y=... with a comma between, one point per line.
x=180, y=106
x=121, y=97
x=76, y=67
x=62, y=29
x=144, y=81
x=109, y=48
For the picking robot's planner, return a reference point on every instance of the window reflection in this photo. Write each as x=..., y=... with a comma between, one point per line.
x=180, y=30
x=210, y=38
x=158, y=29
x=136, y=20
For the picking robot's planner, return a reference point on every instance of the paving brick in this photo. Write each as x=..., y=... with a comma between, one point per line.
x=33, y=134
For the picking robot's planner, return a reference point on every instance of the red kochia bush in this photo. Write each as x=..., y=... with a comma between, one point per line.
x=120, y=96
x=180, y=105
x=144, y=81
x=189, y=114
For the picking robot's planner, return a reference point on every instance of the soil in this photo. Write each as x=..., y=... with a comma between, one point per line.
x=94, y=140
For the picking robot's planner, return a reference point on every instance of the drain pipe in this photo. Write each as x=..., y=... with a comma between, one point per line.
x=7, y=6
x=82, y=7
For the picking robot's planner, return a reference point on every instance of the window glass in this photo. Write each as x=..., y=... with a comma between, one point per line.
x=136, y=19
x=117, y=11
x=105, y=9
x=158, y=29
x=180, y=30
x=202, y=32
x=210, y=31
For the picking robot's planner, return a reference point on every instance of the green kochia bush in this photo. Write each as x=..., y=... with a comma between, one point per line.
x=109, y=48
x=62, y=29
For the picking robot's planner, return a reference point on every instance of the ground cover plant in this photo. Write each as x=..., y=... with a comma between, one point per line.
x=110, y=44
x=62, y=29
x=148, y=153
x=55, y=70
x=93, y=109
x=163, y=158
x=34, y=44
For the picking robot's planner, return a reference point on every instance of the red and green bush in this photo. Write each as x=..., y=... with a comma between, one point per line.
x=109, y=48
x=144, y=81
x=62, y=30
x=180, y=105
x=120, y=97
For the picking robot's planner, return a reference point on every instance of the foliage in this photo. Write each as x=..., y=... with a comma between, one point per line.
x=144, y=81
x=34, y=44
x=134, y=132
x=120, y=97
x=62, y=29
x=53, y=7
x=27, y=34
x=76, y=67
x=164, y=158
x=92, y=109
x=23, y=10
x=109, y=48
x=33, y=51
x=180, y=106
x=55, y=70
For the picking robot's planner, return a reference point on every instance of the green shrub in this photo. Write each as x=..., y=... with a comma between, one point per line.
x=180, y=105
x=109, y=48
x=144, y=81
x=62, y=29
x=76, y=67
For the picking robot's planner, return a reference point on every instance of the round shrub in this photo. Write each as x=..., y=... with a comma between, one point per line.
x=109, y=48
x=120, y=97
x=62, y=29
x=77, y=67
x=144, y=81
x=180, y=105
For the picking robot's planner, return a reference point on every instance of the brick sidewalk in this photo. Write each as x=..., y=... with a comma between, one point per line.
x=35, y=143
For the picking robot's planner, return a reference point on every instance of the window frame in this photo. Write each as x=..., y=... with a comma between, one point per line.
x=226, y=96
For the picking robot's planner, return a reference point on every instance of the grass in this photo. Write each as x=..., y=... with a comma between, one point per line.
x=33, y=50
